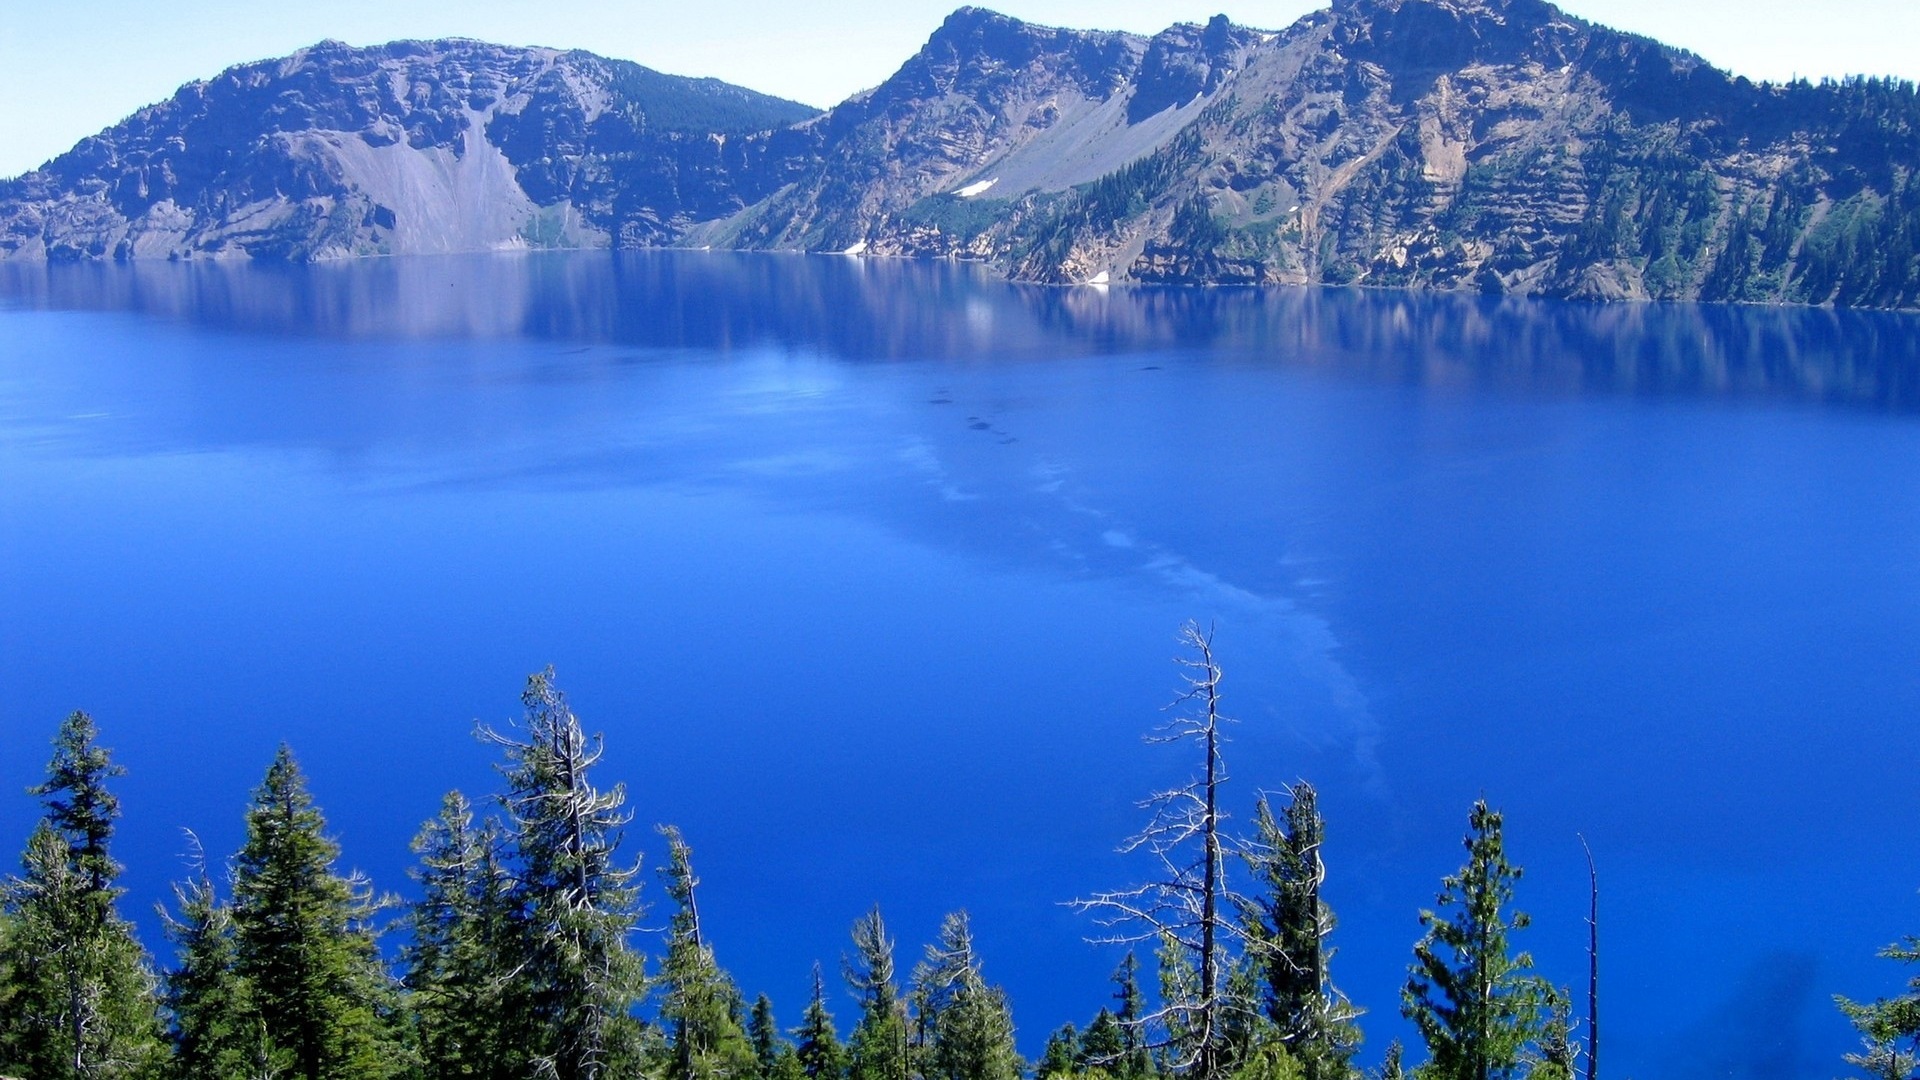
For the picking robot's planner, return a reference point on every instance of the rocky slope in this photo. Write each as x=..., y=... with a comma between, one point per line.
x=412, y=147
x=1486, y=145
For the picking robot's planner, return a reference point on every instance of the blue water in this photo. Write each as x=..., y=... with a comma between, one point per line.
x=872, y=572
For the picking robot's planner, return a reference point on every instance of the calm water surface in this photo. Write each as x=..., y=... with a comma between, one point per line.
x=872, y=571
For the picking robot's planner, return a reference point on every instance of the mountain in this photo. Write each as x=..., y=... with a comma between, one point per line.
x=1488, y=145
x=407, y=148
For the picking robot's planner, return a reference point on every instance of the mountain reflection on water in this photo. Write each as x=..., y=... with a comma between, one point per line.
x=851, y=308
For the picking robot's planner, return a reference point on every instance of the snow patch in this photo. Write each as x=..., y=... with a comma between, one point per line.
x=859, y=248
x=979, y=188
x=1100, y=278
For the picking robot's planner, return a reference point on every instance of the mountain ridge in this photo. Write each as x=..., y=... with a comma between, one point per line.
x=1466, y=145
x=405, y=147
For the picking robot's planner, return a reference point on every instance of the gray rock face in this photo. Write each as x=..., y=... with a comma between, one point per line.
x=1485, y=145
x=413, y=147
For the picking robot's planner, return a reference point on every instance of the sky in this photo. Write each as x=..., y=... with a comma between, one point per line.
x=69, y=69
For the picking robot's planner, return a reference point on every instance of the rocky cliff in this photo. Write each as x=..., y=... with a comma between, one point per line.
x=412, y=147
x=1486, y=145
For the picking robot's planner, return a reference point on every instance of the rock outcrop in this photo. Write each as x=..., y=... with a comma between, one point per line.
x=409, y=148
x=1486, y=145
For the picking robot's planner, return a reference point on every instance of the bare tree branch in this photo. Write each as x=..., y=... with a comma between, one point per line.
x=1187, y=906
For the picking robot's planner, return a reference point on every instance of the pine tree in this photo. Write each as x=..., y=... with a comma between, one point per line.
x=1136, y=1061
x=1555, y=1060
x=1179, y=1054
x=948, y=972
x=775, y=1055
x=1884, y=1060
x=1476, y=1006
x=1265, y=1057
x=1103, y=1046
x=1889, y=1027
x=764, y=1034
x=577, y=978
x=217, y=1030
x=304, y=942
x=1391, y=1068
x=1250, y=1040
x=462, y=951
x=1061, y=1056
x=79, y=999
x=80, y=809
x=878, y=1048
x=706, y=1039
x=818, y=1046
x=1287, y=928
x=9, y=984
x=968, y=1023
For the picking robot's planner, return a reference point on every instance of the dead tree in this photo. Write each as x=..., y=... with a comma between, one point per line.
x=1593, y=964
x=1188, y=906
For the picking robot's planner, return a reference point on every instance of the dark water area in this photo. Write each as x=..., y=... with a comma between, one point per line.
x=872, y=571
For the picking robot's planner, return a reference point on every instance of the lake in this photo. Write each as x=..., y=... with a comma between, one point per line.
x=872, y=574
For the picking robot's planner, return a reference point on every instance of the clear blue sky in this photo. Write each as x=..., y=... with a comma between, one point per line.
x=68, y=69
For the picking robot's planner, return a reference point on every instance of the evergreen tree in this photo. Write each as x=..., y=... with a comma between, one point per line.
x=1476, y=1006
x=1265, y=1057
x=818, y=1046
x=878, y=1048
x=576, y=979
x=786, y=1064
x=1391, y=1068
x=1136, y=1061
x=217, y=1030
x=1286, y=927
x=459, y=961
x=1884, y=1060
x=777, y=1057
x=1179, y=1054
x=1248, y=1037
x=1889, y=1027
x=1555, y=1061
x=79, y=999
x=1061, y=1056
x=969, y=1025
x=9, y=984
x=707, y=1042
x=1103, y=1046
x=304, y=943
x=764, y=1034
x=80, y=809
